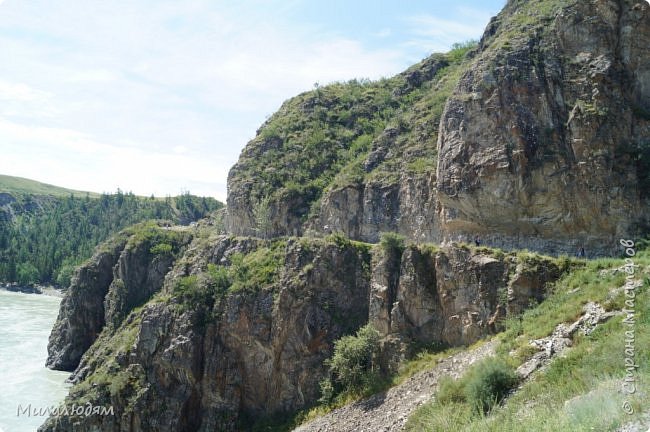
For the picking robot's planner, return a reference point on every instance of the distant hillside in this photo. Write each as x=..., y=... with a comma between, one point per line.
x=45, y=230
x=10, y=184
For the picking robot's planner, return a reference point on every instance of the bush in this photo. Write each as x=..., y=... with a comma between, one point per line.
x=258, y=269
x=161, y=249
x=352, y=366
x=327, y=391
x=339, y=239
x=564, y=263
x=643, y=244
x=450, y=391
x=459, y=49
x=64, y=276
x=27, y=274
x=391, y=241
x=488, y=383
x=482, y=387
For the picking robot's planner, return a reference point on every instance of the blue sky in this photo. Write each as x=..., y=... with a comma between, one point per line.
x=156, y=96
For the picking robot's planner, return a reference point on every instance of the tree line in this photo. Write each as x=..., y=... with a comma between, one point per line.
x=42, y=239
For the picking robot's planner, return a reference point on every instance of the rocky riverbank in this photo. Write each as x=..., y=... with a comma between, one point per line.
x=33, y=289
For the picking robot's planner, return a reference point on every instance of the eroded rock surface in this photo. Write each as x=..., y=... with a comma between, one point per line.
x=535, y=144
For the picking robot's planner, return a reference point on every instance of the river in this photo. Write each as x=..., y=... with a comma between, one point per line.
x=25, y=324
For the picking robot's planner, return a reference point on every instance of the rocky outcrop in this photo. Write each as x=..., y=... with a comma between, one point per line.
x=137, y=275
x=212, y=364
x=13, y=205
x=452, y=295
x=562, y=338
x=123, y=274
x=539, y=142
x=364, y=211
x=241, y=327
x=81, y=314
x=364, y=174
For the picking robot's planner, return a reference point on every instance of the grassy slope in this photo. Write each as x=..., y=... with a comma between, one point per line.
x=578, y=391
x=22, y=185
x=320, y=139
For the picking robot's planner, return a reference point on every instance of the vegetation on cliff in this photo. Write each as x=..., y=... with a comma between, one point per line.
x=348, y=133
x=518, y=138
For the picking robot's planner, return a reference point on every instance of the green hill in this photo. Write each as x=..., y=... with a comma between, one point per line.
x=12, y=185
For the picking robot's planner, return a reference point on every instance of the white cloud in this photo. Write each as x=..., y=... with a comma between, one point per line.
x=156, y=96
x=93, y=75
x=383, y=33
x=436, y=34
x=21, y=100
x=104, y=167
x=21, y=92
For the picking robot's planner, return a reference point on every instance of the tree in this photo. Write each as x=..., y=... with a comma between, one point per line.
x=64, y=276
x=27, y=274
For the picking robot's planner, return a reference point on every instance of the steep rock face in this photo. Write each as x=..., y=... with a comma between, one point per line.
x=539, y=143
x=214, y=362
x=383, y=287
x=81, y=314
x=450, y=296
x=124, y=273
x=10, y=207
x=543, y=144
x=137, y=275
x=364, y=211
x=417, y=311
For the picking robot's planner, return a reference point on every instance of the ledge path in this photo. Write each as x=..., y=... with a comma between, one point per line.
x=390, y=410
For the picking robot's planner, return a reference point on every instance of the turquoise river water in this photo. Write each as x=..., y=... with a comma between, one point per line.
x=25, y=324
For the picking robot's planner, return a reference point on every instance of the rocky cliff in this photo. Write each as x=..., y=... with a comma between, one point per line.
x=357, y=158
x=240, y=328
x=429, y=296
x=122, y=274
x=536, y=138
x=541, y=142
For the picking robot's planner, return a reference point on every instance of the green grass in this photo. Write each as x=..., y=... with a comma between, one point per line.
x=421, y=165
x=578, y=391
x=22, y=185
x=321, y=139
x=522, y=18
x=259, y=269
